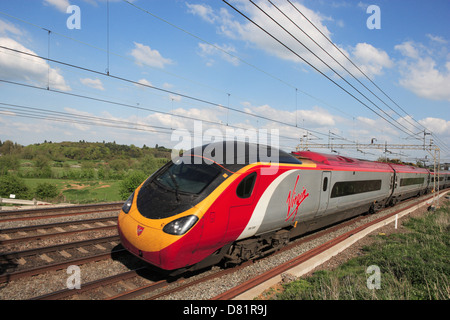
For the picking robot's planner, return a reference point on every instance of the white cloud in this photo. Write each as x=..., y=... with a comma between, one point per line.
x=204, y=11
x=408, y=49
x=421, y=73
x=209, y=51
x=6, y=27
x=61, y=5
x=176, y=98
x=363, y=5
x=379, y=128
x=144, y=55
x=317, y=117
x=436, y=125
x=144, y=83
x=93, y=83
x=370, y=59
x=438, y=39
x=16, y=66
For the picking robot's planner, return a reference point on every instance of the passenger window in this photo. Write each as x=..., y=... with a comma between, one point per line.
x=245, y=188
x=325, y=184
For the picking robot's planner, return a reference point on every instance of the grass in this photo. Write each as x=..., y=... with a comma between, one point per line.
x=414, y=266
x=81, y=192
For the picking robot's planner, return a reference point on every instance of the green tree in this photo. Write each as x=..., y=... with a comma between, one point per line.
x=13, y=185
x=41, y=162
x=9, y=147
x=130, y=183
x=46, y=191
x=8, y=162
x=149, y=164
x=118, y=165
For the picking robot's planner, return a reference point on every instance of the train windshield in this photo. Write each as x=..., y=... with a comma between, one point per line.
x=188, y=178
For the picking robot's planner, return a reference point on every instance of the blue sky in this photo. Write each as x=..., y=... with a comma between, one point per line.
x=200, y=55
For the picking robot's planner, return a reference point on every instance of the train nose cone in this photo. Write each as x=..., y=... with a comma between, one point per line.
x=139, y=240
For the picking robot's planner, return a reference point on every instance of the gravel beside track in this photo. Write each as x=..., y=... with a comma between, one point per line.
x=215, y=287
x=53, y=281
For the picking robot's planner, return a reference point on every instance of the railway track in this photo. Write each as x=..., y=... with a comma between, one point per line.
x=137, y=283
x=58, y=229
x=39, y=260
x=76, y=235
x=141, y=282
x=236, y=291
x=57, y=212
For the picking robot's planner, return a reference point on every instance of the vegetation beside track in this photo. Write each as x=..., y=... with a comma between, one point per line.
x=413, y=266
x=76, y=172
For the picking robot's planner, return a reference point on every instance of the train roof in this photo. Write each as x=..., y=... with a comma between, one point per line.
x=338, y=161
x=355, y=164
x=407, y=168
x=233, y=154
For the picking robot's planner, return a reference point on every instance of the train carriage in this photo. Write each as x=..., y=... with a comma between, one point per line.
x=446, y=175
x=443, y=181
x=409, y=181
x=234, y=201
x=349, y=187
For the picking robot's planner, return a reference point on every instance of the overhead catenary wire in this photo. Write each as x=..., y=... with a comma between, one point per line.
x=234, y=56
x=108, y=52
x=8, y=109
x=340, y=64
x=121, y=104
x=361, y=71
x=45, y=114
x=310, y=64
x=271, y=75
x=220, y=105
x=304, y=60
x=207, y=102
x=326, y=64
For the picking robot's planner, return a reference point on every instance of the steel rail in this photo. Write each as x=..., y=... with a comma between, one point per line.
x=56, y=266
x=56, y=225
x=65, y=293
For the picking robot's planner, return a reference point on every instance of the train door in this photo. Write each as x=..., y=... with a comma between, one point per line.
x=325, y=187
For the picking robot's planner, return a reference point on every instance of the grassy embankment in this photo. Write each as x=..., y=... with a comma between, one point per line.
x=414, y=265
x=76, y=191
x=76, y=172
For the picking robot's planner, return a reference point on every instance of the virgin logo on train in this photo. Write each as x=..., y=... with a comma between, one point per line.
x=140, y=229
x=294, y=201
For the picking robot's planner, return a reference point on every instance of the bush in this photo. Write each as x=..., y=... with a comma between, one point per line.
x=13, y=185
x=46, y=191
x=130, y=183
x=8, y=162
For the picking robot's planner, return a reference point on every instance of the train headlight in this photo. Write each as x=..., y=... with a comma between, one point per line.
x=127, y=205
x=180, y=226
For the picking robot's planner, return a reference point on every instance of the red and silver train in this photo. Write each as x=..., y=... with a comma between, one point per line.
x=195, y=211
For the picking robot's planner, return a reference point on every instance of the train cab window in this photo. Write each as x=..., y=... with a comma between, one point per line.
x=245, y=187
x=325, y=184
x=188, y=178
